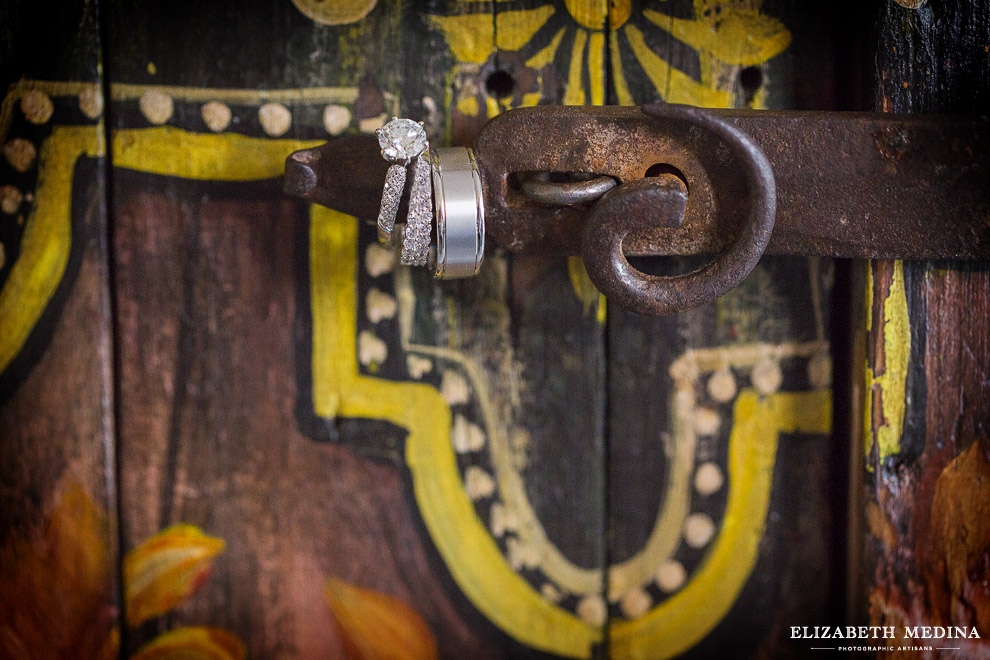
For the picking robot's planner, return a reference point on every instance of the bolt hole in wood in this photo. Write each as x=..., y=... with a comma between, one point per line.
x=750, y=80
x=500, y=84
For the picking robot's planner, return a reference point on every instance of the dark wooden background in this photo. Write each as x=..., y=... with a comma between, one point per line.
x=169, y=379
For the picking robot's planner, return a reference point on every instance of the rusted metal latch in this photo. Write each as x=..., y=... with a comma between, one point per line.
x=612, y=182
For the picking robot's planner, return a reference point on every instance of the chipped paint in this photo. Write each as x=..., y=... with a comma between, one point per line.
x=893, y=380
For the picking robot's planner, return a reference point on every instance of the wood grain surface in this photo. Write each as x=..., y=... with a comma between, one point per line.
x=321, y=453
x=925, y=493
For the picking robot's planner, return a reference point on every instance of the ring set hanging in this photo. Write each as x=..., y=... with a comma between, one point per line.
x=446, y=188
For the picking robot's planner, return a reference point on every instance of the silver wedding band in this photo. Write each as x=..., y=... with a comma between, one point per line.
x=460, y=213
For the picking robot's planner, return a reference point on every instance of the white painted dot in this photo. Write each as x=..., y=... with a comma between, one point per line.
x=466, y=436
x=521, y=554
x=379, y=260
x=10, y=199
x=684, y=398
x=156, y=106
x=706, y=421
x=372, y=124
x=551, y=593
x=91, y=101
x=454, y=388
x=37, y=107
x=592, y=610
x=275, y=119
x=820, y=370
x=708, y=479
x=478, y=483
x=503, y=519
x=379, y=305
x=520, y=439
x=698, y=530
x=722, y=385
x=671, y=576
x=685, y=369
x=20, y=153
x=336, y=119
x=418, y=366
x=371, y=349
x=766, y=376
x=216, y=116
x=635, y=603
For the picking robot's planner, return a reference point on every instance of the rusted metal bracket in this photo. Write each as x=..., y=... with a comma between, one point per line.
x=730, y=183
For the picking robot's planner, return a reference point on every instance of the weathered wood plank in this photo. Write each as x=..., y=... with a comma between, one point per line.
x=58, y=540
x=927, y=406
x=685, y=392
x=289, y=390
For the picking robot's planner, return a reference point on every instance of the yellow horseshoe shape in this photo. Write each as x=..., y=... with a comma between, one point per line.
x=465, y=544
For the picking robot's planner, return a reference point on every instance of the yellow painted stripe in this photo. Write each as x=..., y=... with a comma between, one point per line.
x=545, y=56
x=574, y=95
x=461, y=537
x=687, y=617
x=674, y=86
x=171, y=151
x=596, y=67
x=618, y=77
x=47, y=238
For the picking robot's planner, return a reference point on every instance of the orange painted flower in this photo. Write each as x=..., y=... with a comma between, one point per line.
x=57, y=601
x=193, y=643
x=376, y=626
x=165, y=569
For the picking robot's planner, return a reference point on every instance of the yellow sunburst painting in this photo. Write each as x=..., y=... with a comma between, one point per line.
x=603, y=45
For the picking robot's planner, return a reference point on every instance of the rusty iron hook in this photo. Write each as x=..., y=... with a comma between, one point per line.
x=611, y=220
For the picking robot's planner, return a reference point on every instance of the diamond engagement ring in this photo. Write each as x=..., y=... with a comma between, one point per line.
x=403, y=141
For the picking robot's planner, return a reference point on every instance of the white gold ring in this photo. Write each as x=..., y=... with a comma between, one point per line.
x=460, y=212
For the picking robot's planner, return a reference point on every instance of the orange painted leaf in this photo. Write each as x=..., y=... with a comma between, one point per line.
x=193, y=643
x=56, y=600
x=376, y=626
x=165, y=569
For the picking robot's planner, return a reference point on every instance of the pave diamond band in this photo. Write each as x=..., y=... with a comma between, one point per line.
x=395, y=181
x=419, y=223
x=404, y=144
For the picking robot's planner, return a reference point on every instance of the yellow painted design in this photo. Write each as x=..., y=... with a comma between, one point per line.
x=165, y=569
x=468, y=105
x=174, y=152
x=739, y=37
x=622, y=93
x=545, y=56
x=685, y=618
x=584, y=288
x=589, y=13
x=574, y=95
x=47, y=237
x=378, y=626
x=675, y=86
x=596, y=67
x=472, y=39
x=338, y=12
x=893, y=381
x=462, y=539
x=46, y=242
x=192, y=643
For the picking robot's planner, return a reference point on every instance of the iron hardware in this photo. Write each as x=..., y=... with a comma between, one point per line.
x=856, y=185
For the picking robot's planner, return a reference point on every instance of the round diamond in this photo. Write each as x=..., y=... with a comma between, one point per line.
x=402, y=139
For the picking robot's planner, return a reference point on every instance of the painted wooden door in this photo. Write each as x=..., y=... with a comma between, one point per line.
x=230, y=423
